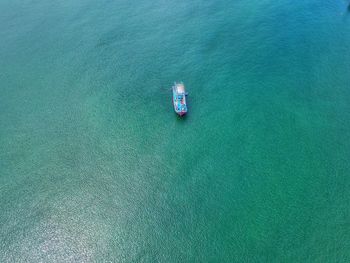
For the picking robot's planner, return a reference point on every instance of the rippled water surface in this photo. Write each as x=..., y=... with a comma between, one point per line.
x=96, y=167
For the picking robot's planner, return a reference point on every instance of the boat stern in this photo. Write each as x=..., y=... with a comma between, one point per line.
x=182, y=113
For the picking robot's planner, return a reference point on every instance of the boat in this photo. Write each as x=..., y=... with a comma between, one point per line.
x=179, y=98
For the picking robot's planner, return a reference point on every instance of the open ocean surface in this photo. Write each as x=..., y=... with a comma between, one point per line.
x=96, y=167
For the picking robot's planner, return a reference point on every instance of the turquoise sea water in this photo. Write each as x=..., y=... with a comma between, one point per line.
x=96, y=167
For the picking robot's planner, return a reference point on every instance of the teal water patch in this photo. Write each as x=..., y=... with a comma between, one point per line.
x=96, y=166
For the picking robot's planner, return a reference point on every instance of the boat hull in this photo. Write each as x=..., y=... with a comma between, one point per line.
x=179, y=99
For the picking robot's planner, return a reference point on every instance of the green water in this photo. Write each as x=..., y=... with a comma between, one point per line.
x=96, y=167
